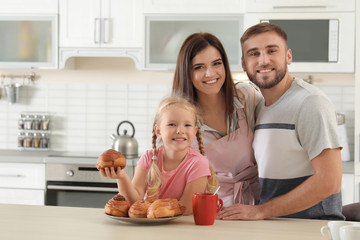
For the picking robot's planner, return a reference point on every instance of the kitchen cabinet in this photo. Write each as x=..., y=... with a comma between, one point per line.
x=347, y=188
x=300, y=6
x=101, y=23
x=101, y=28
x=22, y=183
x=29, y=6
x=191, y=6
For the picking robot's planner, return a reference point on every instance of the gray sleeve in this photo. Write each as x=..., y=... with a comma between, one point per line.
x=316, y=125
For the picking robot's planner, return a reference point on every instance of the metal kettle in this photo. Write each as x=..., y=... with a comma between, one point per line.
x=125, y=144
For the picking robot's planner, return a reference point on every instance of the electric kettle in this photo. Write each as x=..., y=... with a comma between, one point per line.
x=125, y=144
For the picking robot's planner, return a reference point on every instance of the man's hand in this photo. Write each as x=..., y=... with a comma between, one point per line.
x=241, y=212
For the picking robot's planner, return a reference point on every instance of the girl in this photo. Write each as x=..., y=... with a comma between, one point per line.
x=227, y=113
x=173, y=170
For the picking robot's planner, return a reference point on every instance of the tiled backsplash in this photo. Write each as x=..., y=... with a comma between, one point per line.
x=85, y=114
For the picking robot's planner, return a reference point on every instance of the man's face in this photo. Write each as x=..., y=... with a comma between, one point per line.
x=265, y=59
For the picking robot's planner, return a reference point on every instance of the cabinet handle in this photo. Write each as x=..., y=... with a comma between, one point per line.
x=12, y=175
x=106, y=32
x=96, y=30
x=294, y=7
x=76, y=188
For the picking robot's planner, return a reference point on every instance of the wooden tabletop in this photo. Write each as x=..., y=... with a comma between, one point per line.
x=65, y=223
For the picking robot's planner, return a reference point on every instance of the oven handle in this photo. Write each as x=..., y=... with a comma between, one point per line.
x=77, y=188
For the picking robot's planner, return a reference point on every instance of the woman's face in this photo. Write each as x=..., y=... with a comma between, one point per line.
x=208, y=71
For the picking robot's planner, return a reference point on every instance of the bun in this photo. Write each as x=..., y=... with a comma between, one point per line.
x=117, y=206
x=168, y=207
x=111, y=158
x=139, y=209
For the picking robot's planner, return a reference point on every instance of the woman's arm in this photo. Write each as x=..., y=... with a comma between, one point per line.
x=198, y=185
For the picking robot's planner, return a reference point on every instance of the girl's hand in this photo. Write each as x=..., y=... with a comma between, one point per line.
x=111, y=173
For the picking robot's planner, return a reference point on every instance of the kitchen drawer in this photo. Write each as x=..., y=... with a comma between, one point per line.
x=22, y=196
x=22, y=175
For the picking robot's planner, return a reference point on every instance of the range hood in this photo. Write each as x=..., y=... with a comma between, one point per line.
x=136, y=54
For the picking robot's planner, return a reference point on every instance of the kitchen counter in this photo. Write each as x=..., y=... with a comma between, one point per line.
x=45, y=222
x=27, y=156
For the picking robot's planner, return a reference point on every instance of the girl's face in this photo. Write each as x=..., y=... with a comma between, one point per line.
x=208, y=71
x=176, y=128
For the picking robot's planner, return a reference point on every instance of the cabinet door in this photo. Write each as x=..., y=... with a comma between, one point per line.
x=347, y=189
x=22, y=175
x=80, y=23
x=122, y=23
x=22, y=196
x=26, y=6
x=191, y=6
x=300, y=6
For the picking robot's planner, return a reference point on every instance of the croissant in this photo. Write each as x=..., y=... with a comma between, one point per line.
x=168, y=207
x=117, y=206
x=111, y=158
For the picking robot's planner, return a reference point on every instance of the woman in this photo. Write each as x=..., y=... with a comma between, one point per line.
x=227, y=115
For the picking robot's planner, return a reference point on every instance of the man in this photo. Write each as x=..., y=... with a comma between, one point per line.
x=295, y=142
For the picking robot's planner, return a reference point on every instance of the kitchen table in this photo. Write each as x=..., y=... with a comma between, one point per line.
x=51, y=223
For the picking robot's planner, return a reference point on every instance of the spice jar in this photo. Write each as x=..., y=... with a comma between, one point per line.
x=28, y=139
x=28, y=122
x=36, y=140
x=21, y=136
x=21, y=122
x=44, y=142
x=37, y=122
x=45, y=122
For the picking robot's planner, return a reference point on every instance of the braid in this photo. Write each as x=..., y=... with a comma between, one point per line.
x=153, y=176
x=154, y=137
x=213, y=182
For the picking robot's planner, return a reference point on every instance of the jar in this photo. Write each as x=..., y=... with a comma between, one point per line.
x=28, y=139
x=44, y=142
x=21, y=122
x=36, y=140
x=45, y=122
x=21, y=136
x=37, y=122
x=28, y=122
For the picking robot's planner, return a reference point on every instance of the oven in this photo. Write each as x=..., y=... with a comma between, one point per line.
x=78, y=185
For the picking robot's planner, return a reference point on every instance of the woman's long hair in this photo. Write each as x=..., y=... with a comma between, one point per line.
x=182, y=83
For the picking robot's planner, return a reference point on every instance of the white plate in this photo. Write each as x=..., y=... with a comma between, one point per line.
x=143, y=220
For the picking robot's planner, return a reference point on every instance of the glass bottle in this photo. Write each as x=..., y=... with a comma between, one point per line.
x=28, y=122
x=37, y=122
x=21, y=136
x=28, y=139
x=21, y=122
x=45, y=122
x=36, y=140
x=44, y=142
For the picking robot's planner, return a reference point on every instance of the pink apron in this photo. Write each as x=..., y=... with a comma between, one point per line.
x=232, y=158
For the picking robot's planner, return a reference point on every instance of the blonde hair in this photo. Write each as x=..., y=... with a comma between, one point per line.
x=154, y=175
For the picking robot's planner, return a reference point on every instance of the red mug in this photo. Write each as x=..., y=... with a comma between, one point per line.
x=205, y=208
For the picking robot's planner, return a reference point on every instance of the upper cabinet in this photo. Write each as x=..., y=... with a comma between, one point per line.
x=300, y=6
x=101, y=23
x=101, y=28
x=191, y=6
x=29, y=6
x=31, y=39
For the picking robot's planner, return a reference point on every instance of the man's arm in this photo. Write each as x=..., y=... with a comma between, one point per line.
x=325, y=182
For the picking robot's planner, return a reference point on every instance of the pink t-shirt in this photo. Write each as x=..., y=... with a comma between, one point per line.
x=173, y=183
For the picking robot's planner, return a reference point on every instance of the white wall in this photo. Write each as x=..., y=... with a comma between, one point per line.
x=89, y=101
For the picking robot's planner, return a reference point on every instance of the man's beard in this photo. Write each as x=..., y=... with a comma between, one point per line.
x=266, y=84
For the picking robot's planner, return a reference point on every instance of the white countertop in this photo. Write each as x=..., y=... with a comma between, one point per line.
x=19, y=222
